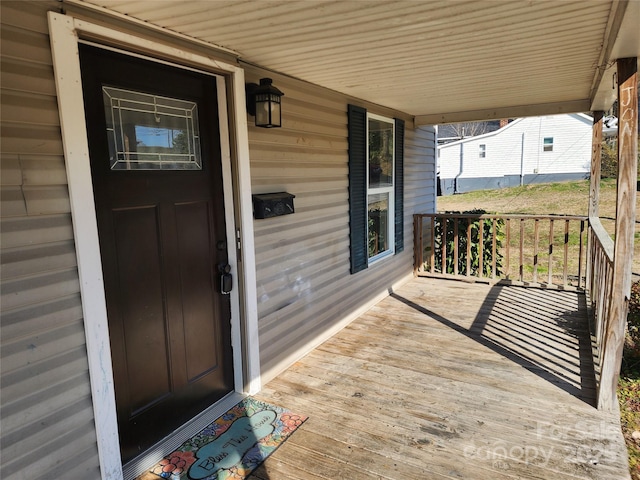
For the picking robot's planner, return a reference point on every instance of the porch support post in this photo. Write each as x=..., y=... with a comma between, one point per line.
x=596, y=162
x=625, y=220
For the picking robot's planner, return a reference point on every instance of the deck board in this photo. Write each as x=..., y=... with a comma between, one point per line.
x=451, y=380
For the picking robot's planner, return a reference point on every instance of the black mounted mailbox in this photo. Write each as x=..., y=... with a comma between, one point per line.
x=267, y=205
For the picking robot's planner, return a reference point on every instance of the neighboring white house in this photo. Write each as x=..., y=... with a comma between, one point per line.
x=527, y=150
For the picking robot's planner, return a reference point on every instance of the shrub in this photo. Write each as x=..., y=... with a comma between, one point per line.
x=609, y=159
x=631, y=357
x=487, y=244
x=634, y=309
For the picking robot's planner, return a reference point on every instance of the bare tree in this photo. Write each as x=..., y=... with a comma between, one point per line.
x=466, y=129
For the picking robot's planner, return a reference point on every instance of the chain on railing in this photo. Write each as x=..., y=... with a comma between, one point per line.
x=538, y=250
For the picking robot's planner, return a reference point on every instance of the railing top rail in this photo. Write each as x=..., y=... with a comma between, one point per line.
x=602, y=236
x=497, y=216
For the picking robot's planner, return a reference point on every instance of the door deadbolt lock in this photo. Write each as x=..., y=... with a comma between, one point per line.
x=226, y=279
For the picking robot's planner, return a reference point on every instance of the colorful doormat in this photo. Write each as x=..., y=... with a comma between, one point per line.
x=232, y=446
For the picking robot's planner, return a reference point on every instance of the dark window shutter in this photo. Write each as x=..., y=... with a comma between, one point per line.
x=358, y=188
x=399, y=186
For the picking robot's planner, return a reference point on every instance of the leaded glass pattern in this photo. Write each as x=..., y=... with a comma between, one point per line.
x=151, y=132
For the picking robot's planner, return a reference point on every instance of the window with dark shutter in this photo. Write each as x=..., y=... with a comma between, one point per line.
x=376, y=187
x=399, y=186
x=358, y=187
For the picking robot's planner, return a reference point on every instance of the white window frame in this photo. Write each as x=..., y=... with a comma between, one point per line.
x=389, y=190
x=482, y=150
x=545, y=144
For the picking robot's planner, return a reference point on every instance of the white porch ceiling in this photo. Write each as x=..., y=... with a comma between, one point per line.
x=439, y=60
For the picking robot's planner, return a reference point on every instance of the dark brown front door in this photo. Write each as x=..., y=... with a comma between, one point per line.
x=155, y=164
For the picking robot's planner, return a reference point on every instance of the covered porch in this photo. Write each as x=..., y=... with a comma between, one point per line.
x=440, y=379
x=447, y=379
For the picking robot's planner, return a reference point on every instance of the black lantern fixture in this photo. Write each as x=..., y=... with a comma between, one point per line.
x=263, y=102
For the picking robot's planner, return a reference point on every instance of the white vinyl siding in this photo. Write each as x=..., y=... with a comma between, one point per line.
x=519, y=145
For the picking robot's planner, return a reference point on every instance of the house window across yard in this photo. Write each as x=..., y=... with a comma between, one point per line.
x=548, y=144
x=376, y=187
x=483, y=150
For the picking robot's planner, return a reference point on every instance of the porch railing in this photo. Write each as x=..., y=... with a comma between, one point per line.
x=538, y=250
x=543, y=251
x=599, y=287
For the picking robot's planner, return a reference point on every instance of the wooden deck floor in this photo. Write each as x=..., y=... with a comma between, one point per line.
x=451, y=380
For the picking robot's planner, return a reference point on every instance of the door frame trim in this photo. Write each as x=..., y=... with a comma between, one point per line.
x=65, y=34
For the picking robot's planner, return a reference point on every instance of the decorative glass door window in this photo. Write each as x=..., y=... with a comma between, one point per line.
x=149, y=132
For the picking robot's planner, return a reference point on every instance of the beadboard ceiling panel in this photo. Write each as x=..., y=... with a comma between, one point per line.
x=438, y=60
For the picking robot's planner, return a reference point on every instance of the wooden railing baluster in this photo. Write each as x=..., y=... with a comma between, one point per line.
x=550, y=276
x=494, y=250
x=498, y=253
x=536, y=240
x=566, y=253
x=444, y=245
x=417, y=240
x=468, y=248
x=481, y=248
x=456, y=241
x=507, y=254
x=580, y=253
x=521, y=270
x=432, y=262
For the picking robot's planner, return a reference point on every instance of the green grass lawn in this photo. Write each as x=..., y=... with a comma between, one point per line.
x=572, y=198
x=566, y=198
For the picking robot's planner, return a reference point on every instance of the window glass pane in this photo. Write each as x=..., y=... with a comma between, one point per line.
x=380, y=153
x=148, y=132
x=378, y=223
x=548, y=144
x=483, y=150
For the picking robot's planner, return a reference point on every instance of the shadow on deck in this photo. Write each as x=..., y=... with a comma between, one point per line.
x=544, y=332
x=446, y=379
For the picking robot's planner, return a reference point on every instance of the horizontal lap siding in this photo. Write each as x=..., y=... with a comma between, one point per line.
x=303, y=281
x=420, y=173
x=304, y=285
x=571, y=145
x=47, y=416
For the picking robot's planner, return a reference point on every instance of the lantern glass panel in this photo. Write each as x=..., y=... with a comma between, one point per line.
x=268, y=110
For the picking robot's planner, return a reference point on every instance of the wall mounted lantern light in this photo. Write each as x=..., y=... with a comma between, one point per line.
x=263, y=102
